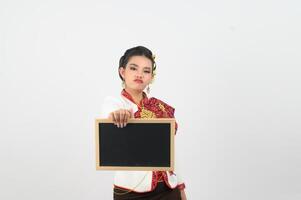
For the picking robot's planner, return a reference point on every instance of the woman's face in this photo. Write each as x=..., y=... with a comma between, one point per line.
x=137, y=73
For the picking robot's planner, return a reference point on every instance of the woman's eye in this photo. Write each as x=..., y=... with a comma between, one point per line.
x=133, y=68
x=147, y=72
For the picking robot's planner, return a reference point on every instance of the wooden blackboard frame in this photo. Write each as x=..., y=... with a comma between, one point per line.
x=170, y=167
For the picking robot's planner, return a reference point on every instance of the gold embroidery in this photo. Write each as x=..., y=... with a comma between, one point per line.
x=147, y=114
x=161, y=107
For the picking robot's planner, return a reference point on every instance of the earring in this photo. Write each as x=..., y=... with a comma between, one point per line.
x=148, y=89
x=123, y=84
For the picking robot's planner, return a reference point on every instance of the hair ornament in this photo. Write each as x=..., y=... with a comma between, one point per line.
x=154, y=57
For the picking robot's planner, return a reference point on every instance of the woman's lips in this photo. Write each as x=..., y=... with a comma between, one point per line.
x=138, y=81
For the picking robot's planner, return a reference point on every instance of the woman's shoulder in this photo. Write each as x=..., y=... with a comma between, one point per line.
x=155, y=100
x=115, y=97
x=112, y=98
x=111, y=103
x=162, y=105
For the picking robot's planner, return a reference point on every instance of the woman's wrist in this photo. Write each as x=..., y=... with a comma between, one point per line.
x=183, y=195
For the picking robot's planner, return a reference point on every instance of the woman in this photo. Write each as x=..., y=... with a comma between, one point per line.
x=137, y=70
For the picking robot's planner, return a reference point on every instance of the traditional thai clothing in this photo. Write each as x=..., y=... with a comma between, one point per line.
x=143, y=184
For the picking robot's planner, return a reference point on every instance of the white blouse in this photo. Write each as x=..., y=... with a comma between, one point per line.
x=137, y=181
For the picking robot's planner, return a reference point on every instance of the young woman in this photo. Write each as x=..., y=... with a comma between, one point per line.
x=137, y=70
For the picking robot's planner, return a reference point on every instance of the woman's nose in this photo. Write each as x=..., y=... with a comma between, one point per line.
x=138, y=77
x=139, y=74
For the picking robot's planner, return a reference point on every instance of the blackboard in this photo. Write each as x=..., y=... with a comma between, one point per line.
x=144, y=144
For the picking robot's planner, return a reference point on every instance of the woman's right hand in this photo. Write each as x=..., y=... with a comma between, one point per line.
x=120, y=117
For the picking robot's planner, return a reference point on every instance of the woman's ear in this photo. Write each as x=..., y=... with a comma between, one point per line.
x=153, y=77
x=121, y=72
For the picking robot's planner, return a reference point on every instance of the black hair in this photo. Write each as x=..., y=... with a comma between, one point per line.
x=136, y=51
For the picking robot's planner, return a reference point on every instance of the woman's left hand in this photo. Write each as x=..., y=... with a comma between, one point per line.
x=183, y=195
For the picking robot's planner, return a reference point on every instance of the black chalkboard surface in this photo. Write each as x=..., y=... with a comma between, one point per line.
x=144, y=144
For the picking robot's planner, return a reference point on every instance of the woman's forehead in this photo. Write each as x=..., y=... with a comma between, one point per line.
x=140, y=61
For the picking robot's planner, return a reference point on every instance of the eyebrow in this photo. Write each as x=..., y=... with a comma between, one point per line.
x=134, y=64
x=138, y=66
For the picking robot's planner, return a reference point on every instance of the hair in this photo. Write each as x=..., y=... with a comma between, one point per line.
x=136, y=51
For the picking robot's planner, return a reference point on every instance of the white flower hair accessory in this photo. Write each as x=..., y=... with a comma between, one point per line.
x=154, y=57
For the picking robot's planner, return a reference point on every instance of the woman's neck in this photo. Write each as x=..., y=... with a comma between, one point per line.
x=136, y=95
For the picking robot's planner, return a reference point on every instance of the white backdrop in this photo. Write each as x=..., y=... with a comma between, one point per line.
x=230, y=68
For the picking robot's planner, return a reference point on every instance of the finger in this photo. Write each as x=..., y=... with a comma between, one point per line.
x=116, y=116
x=129, y=114
x=123, y=118
x=121, y=115
x=126, y=118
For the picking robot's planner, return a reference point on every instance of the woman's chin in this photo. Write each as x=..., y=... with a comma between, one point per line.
x=137, y=88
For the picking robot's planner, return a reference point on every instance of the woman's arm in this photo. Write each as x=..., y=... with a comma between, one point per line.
x=183, y=195
x=114, y=109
